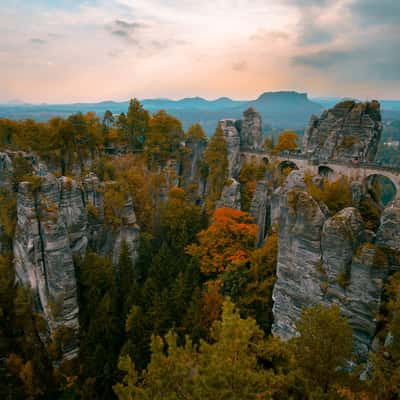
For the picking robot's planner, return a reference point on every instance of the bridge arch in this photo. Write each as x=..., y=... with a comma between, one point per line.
x=287, y=165
x=380, y=187
x=325, y=171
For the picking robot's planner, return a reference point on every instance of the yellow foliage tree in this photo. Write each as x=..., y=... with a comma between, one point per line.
x=287, y=141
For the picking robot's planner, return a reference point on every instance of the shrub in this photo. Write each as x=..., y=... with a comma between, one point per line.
x=335, y=194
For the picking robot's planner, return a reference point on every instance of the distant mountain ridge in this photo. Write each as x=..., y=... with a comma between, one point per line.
x=280, y=110
x=284, y=109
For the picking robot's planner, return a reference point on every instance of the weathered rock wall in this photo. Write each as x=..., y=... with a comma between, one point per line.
x=348, y=131
x=51, y=229
x=325, y=259
x=251, y=130
x=57, y=220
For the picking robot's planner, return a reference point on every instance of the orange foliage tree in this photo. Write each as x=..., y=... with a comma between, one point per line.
x=226, y=244
x=287, y=141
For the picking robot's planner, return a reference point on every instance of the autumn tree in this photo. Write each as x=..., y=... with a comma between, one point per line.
x=137, y=125
x=216, y=158
x=269, y=143
x=385, y=371
x=255, y=296
x=195, y=133
x=164, y=138
x=8, y=130
x=322, y=350
x=250, y=173
x=226, y=243
x=101, y=325
x=287, y=141
x=225, y=368
x=336, y=194
x=179, y=220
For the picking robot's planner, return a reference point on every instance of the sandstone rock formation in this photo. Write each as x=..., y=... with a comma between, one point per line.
x=242, y=135
x=6, y=169
x=232, y=137
x=192, y=173
x=260, y=208
x=230, y=196
x=57, y=219
x=251, y=130
x=51, y=229
x=348, y=131
x=107, y=240
x=329, y=260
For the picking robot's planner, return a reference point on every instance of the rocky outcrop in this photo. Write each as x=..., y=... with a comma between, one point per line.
x=242, y=135
x=260, y=208
x=329, y=260
x=299, y=255
x=233, y=140
x=128, y=232
x=230, y=196
x=103, y=238
x=250, y=130
x=6, y=171
x=193, y=175
x=388, y=234
x=50, y=230
x=57, y=219
x=348, y=131
x=295, y=180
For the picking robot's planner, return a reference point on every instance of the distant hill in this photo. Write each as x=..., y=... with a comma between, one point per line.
x=279, y=109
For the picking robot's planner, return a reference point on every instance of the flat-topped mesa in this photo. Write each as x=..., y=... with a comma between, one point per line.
x=348, y=131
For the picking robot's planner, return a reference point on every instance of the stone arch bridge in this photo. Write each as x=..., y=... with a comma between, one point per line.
x=354, y=171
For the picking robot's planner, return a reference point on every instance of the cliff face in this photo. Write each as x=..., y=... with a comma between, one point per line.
x=193, y=178
x=232, y=138
x=260, y=208
x=51, y=229
x=230, y=196
x=330, y=260
x=103, y=238
x=348, y=131
x=251, y=130
x=242, y=135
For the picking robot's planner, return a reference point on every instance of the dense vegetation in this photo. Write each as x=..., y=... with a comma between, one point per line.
x=192, y=319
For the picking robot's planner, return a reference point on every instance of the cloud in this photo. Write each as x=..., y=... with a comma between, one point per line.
x=239, y=66
x=125, y=30
x=310, y=3
x=37, y=41
x=311, y=32
x=55, y=35
x=129, y=25
x=162, y=45
x=264, y=35
x=120, y=32
x=386, y=70
x=321, y=59
x=375, y=12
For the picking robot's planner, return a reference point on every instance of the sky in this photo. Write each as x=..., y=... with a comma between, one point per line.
x=60, y=51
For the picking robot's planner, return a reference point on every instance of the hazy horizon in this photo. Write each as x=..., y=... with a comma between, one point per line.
x=67, y=51
x=16, y=102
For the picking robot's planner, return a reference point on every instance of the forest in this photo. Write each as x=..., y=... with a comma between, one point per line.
x=191, y=316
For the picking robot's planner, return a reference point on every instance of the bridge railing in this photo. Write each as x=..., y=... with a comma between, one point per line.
x=350, y=164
